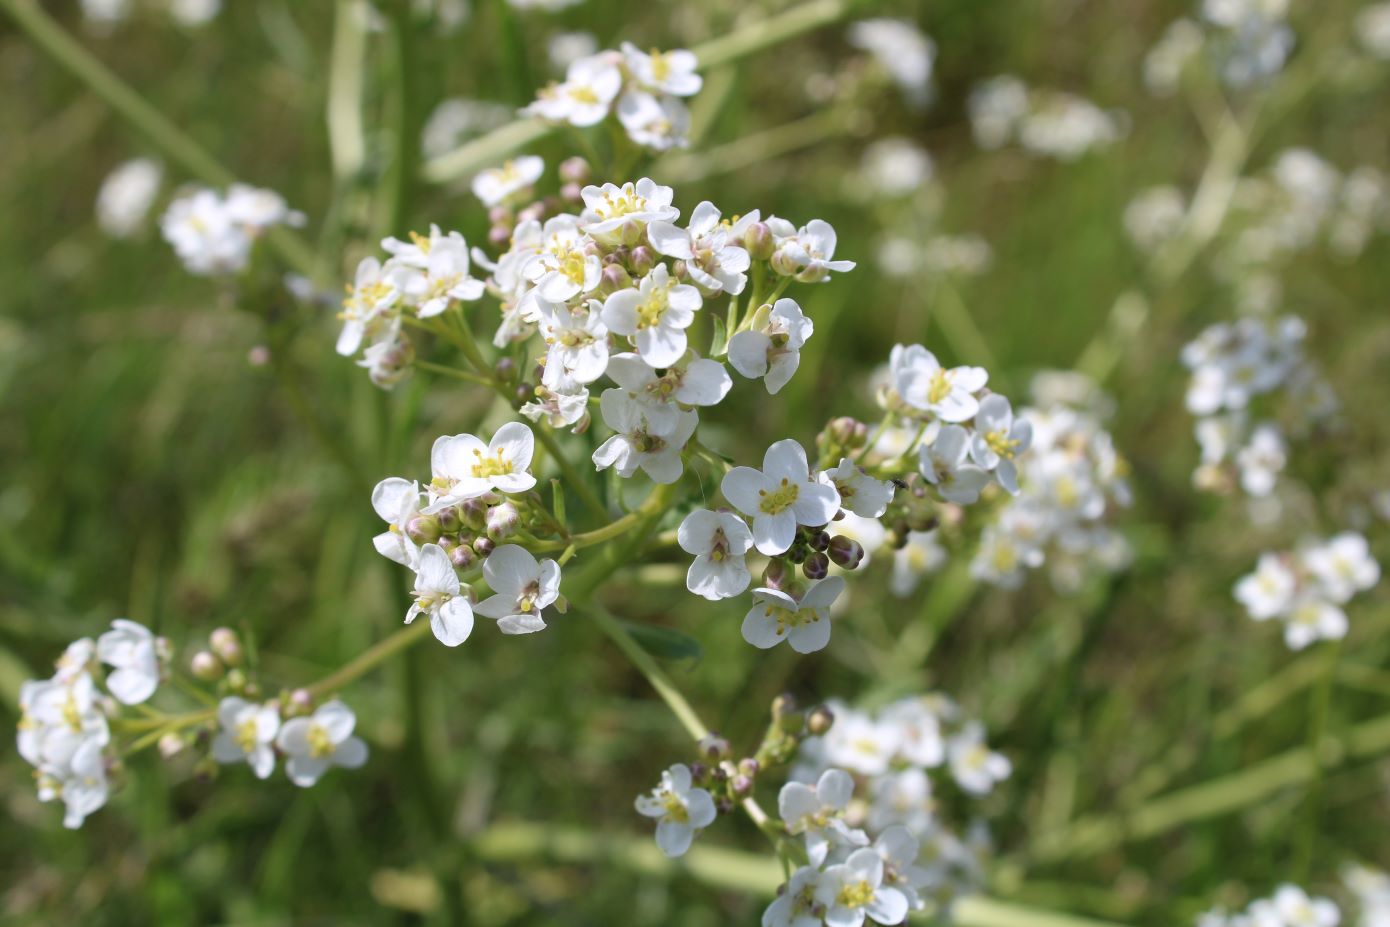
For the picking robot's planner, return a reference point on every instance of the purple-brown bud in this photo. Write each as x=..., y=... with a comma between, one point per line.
x=819, y=720
x=817, y=566
x=846, y=552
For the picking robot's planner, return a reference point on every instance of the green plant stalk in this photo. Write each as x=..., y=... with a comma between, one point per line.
x=159, y=131
x=405, y=160
x=1293, y=768
x=1320, y=708
x=346, y=135
x=471, y=157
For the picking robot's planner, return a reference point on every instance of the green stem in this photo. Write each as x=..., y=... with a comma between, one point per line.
x=646, y=665
x=446, y=371
x=1321, y=704
x=159, y=131
x=406, y=162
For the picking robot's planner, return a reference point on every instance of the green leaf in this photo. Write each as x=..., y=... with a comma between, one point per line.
x=666, y=643
x=720, y=340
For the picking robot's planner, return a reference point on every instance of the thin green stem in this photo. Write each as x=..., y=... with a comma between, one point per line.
x=444, y=370
x=1320, y=708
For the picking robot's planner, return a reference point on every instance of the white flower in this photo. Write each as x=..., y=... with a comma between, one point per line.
x=1343, y=566
x=577, y=343
x=806, y=253
x=639, y=442
x=126, y=196
x=465, y=468
x=586, y=94
x=898, y=849
x=919, y=731
x=560, y=265
x=771, y=348
x=81, y=783
x=375, y=291
x=1373, y=29
x=902, y=798
x=655, y=315
x=130, y=648
x=854, y=890
x=496, y=185
x=681, y=811
x=925, y=385
x=247, y=735
x=998, y=439
x=446, y=275
x=1262, y=459
x=944, y=465
x=257, y=210
x=610, y=206
x=1269, y=591
x=1298, y=910
x=974, y=766
x=902, y=50
x=781, y=496
x=859, y=743
x=1312, y=619
x=805, y=625
x=315, y=744
x=204, y=235
x=718, y=541
x=521, y=587
x=690, y=381
x=859, y=493
x=670, y=72
x=796, y=905
x=658, y=123
x=817, y=813
x=438, y=594
x=557, y=408
x=921, y=555
x=397, y=501
x=713, y=259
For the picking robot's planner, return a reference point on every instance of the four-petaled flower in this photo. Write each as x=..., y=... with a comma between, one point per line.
x=522, y=587
x=781, y=496
x=655, y=314
x=315, y=744
x=247, y=735
x=465, y=468
x=130, y=648
x=771, y=348
x=718, y=540
x=681, y=810
x=805, y=625
x=439, y=594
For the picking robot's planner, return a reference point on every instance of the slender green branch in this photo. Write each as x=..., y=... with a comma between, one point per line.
x=609, y=624
x=159, y=131
x=444, y=370
x=369, y=659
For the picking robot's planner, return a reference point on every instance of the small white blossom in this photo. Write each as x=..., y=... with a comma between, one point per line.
x=584, y=97
x=1343, y=565
x=655, y=314
x=691, y=381
x=639, y=441
x=610, y=206
x=658, y=123
x=397, y=501
x=718, y=541
x=439, y=595
x=247, y=735
x=522, y=587
x=129, y=648
x=126, y=196
x=943, y=463
x=708, y=246
x=1269, y=591
x=923, y=384
x=975, y=767
x=854, y=890
x=859, y=493
x=316, y=744
x=496, y=185
x=805, y=625
x=670, y=72
x=806, y=253
x=681, y=810
x=999, y=439
x=465, y=468
x=780, y=496
x=577, y=343
x=817, y=814
x=771, y=347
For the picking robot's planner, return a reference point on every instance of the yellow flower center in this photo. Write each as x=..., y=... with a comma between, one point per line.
x=855, y=894
x=246, y=735
x=650, y=311
x=583, y=95
x=570, y=261
x=627, y=201
x=790, y=618
x=320, y=744
x=675, y=808
x=779, y=499
x=661, y=65
x=421, y=242
x=940, y=386
x=494, y=465
x=1001, y=444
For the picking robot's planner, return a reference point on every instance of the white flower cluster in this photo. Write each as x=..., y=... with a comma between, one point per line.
x=126, y=196
x=1301, y=201
x=1070, y=480
x=1049, y=123
x=1240, y=370
x=1289, y=906
x=63, y=726
x=893, y=754
x=1306, y=588
x=214, y=234
x=644, y=90
x=312, y=744
x=1246, y=41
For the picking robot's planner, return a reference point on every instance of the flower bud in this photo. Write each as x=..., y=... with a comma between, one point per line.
x=748, y=767
x=163, y=649
x=505, y=368
x=775, y=575
x=525, y=392
x=723, y=805
x=171, y=745
x=301, y=701
x=713, y=747
x=796, y=553
x=785, y=265
x=758, y=241
x=848, y=433
x=473, y=512
x=499, y=215
x=630, y=232
x=741, y=786
x=252, y=689
x=641, y=259
x=236, y=681
x=783, y=705
x=817, y=566
x=819, y=720
x=426, y=529
x=483, y=546
x=698, y=771
x=534, y=212
x=575, y=170
x=615, y=278
x=463, y=557
x=205, y=666
x=819, y=539
x=571, y=192
x=502, y=521
x=226, y=645
x=500, y=235
x=679, y=270
x=846, y=552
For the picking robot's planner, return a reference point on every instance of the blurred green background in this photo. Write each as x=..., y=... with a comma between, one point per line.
x=150, y=470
